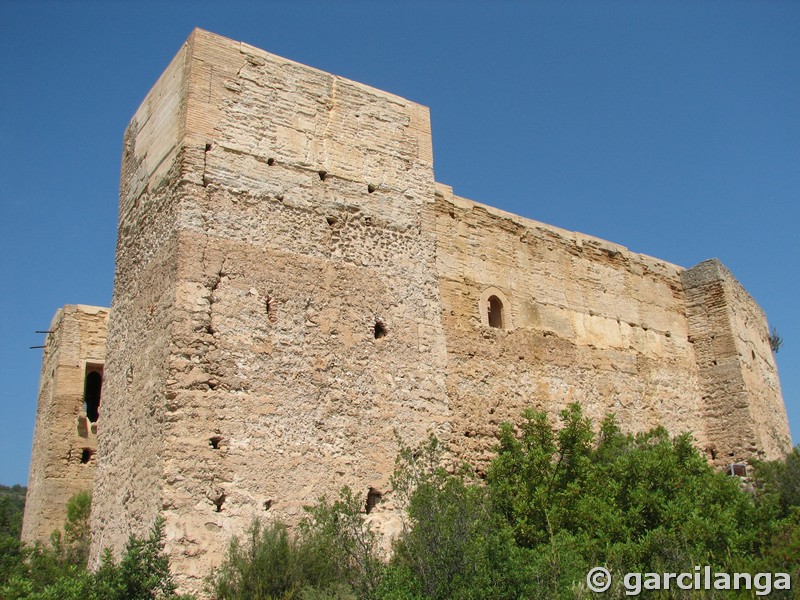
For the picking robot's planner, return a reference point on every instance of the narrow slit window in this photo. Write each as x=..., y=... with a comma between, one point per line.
x=91, y=393
x=495, y=312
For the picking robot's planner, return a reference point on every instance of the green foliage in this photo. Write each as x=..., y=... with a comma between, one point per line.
x=775, y=340
x=781, y=479
x=73, y=547
x=72, y=583
x=58, y=571
x=338, y=531
x=453, y=546
x=557, y=502
x=36, y=568
x=334, y=556
x=142, y=573
x=267, y=565
x=15, y=495
x=779, y=495
x=537, y=477
x=12, y=502
x=627, y=501
x=270, y=564
x=77, y=526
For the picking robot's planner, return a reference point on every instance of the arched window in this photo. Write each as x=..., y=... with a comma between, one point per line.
x=495, y=315
x=91, y=394
x=494, y=309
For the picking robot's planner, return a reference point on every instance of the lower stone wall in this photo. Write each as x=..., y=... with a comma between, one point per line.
x=290, y=376
x=127, y=498
x=587, y=321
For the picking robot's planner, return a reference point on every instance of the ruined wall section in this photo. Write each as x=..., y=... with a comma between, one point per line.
x=584, y=320
x=297, y=301
x=127, y=496
x=742, y=403
x=64, y=439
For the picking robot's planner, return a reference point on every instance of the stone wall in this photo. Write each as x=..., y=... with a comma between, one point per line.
x=585, y=321
x=64, y=439
x=127, y=496
x=277, y=315
x=742, y=405
x=294, y=293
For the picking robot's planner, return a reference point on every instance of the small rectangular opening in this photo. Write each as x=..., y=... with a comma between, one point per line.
x=737, y=470
x=92, y=390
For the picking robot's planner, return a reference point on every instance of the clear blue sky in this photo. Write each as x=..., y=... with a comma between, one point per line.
x=672, y=128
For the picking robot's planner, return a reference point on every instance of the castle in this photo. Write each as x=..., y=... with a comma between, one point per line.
x=294, y=292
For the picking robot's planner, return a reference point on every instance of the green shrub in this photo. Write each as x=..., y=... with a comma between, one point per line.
x=58, y=571
x=557, y=501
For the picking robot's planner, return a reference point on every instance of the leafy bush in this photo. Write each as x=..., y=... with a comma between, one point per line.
x=334, y=556
x=557, y=501
x=58, y=571
x=11, y=550
x=339, y=532
x=453, y=545
x=28, y=569
x=142, y=573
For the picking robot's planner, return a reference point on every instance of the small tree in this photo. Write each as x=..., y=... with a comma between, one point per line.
x=76, y=529
x=267, y=550
x=338, y=530
x=334, y=556
x=453, y=545
x=142, y=573
x=775, y=341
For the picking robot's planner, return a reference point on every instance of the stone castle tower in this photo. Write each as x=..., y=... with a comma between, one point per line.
x=294, y=291
x=65, y=434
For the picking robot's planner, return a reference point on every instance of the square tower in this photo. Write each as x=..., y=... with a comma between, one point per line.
x=277, y=320
x=67, y=416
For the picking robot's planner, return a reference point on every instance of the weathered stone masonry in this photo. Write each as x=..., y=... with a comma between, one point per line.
x=65, y=436
x=293, y=291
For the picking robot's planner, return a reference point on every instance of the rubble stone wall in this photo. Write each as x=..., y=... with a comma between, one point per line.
x=278, y=296
x=585, y=321
x=742, y=405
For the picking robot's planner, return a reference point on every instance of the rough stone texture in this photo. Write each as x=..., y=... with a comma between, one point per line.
x=64, y=440
x=281, y=225
x=589, y=321
x=742, y=405
x=293, y=292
